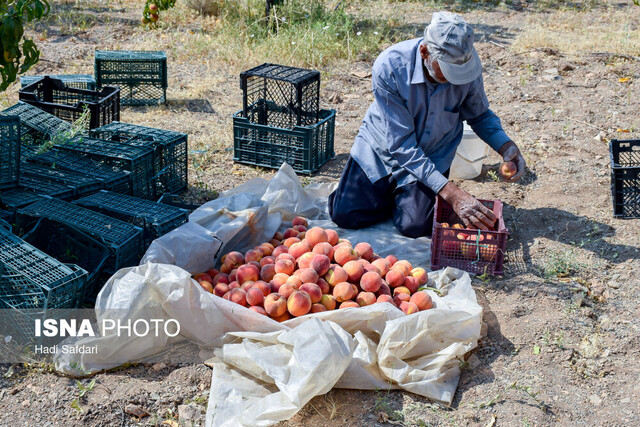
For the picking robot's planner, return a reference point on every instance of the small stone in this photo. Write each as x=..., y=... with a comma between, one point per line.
x=614, y=285
x=25, y=403
x=188, y=413
x=625, y=400
x=158, y=366
x=154, y=396
x=473, y=362
x=484, y=330
x=135, y=410
x=595, y=399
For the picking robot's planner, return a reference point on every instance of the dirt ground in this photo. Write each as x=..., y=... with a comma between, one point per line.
x=562, y=336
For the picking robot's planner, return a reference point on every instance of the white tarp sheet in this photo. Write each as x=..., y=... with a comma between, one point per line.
x=265, y=371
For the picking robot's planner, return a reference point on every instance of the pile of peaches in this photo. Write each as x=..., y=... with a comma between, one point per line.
x=313, y=270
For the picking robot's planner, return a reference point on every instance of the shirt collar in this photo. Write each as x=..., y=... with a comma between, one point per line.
x=418, y=76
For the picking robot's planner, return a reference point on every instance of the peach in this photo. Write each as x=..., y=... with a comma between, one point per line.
x=290, y=232
x=383, y=265
x=274, y=286
x=355, y=270
x=365, y=298
x=267, y=272
x=324, y=286
x=374, y=257
x=421, y=275
x=263, y=286
x=489, y=249
x=324, y=248
x=212, y=272
x=395, y=278
x=234, y=285
x=286, y=316
x=320, y=263
x=285, y=266
x=266, y=248
x=278, y=236
x=221, y=289
x=392, y=259
x=301, y=236
x=221, y=278
x=372, y=268
x=364, y=249
x=370, y=282
x=253, y=255
x=295, y=280
x=298, y=303
x=275, y=242
x=401, y=290
x=275, y=305
x=344, y=254
x=313, y=290
x=299, y=228
x=364, y=262
x=335, y=275
x=317, y=308
x=305, y=260
x=347, y=241
x=290, y=241
x=422, y=300
x=280, y=278
x=507, y=170
x=203, y=276
x=282, y=249
x=256, y=264
x=287, y=289
x=332, y=236
x=402, y=266
x=408, y=307
x=400, y=298
x=385, y=298
x=469, y=248
x=207, y=286
x=349, y=304
x=238, y=296
x=258, y=309
x=247, y=285
x=234, y=259
x=342, y=291
x=299, y=220
x=316, y=235
x=255, y=296
x=227, y=295
x=354, y=291
x=267, y=260
x=224, y=268
x=232, y=275
x=329, y=301
x=297, y=249
x=411, y=283
x=384, y=289
x=307, y=275
x=286, y=256
x=247, y=273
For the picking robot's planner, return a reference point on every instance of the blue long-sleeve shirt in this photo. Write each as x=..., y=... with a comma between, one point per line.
x=413, y=127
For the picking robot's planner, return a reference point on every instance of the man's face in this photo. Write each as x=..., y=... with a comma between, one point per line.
x=432, y=66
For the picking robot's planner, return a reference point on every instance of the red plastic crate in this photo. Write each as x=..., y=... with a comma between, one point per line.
x=482, y=255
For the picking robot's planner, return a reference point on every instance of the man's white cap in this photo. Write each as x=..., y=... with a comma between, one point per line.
x=450, y=41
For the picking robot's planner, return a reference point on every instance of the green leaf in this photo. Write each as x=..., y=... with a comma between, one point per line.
x=536, y=349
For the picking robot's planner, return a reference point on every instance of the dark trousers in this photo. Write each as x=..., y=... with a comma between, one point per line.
x=359, y=203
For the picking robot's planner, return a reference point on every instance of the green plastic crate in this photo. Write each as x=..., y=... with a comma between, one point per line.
x=124, y=240
x=155, y=218
x=78, y=81
x=45, y=187
x=137, y=160
x=140, y=75
x=170, y=151
x=83, y=184
x=305, y=148
x=9, y=151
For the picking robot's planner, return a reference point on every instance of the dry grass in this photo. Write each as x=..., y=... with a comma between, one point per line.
x=574, y=32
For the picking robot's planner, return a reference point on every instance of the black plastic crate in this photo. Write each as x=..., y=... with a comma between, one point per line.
x=305, y=148
x=170, y=151
x=12, y=200
x=113, y=178
x=282, y=96
x=124, y=240
x=625, y=177
x=9, y=151
x=78, y=81
x=68, y=103
x=83, y=184
x=135, y=159
x=45, y=187
x=141, y=75
x=155, y=218
x=36, y=126
x=70, y=245
x=32, y=279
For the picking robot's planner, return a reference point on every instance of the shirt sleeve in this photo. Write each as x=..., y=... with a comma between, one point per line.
x=400, y=133
x=484, y=122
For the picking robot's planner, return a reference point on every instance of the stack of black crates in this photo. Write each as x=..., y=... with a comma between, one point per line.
x=281, y=120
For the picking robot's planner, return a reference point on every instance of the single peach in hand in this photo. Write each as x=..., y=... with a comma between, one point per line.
x=508, y=170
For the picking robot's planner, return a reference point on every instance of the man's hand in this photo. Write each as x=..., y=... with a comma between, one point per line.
x=472, y=213
x=511, y=153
